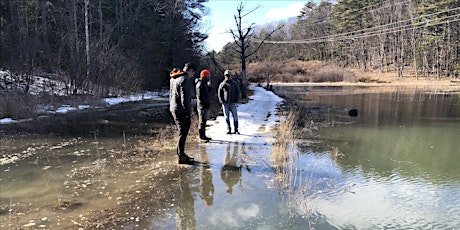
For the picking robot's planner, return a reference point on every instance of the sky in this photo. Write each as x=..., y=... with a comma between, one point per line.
x=220, y=18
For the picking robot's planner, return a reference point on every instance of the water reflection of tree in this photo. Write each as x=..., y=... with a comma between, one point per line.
x=231, y=170
x=206, y=185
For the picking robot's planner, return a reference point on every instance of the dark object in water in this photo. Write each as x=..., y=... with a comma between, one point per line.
x=353, y=113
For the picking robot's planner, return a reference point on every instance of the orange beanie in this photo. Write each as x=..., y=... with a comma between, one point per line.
x=176, y=72
x=205, y=73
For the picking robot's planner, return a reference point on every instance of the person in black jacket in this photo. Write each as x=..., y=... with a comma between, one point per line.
x=228, y=94
x=180, y=107
x=203, y=85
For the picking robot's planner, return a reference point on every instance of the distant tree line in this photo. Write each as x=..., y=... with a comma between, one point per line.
x=94, y=45
x=408, y=37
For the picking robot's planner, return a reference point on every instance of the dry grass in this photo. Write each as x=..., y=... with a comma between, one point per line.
x=163, y=139
x=16, y=106
x=285, y=139
x=316, y=72
x=328, y=74
x=297, y=71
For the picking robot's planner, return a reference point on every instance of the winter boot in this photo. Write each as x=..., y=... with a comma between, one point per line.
x=203, y=136
x=184, y=159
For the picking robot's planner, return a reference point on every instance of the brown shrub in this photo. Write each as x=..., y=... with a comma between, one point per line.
x=300, y=71
x=290, y=71
x=328, y=74
x=16, y=106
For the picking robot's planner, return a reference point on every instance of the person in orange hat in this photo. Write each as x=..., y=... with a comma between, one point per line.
x=203, y=97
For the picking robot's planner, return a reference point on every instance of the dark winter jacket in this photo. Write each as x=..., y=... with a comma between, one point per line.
x=229, y=92
x=179, y=92
x=202, y=94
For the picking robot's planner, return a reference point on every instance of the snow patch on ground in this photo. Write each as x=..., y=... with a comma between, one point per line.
x=255, y=117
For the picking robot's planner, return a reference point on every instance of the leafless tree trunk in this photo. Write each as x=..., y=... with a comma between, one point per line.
x=242, y=37
x=88, y=59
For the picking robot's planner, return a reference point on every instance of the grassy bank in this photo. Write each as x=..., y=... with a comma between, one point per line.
x=316, y=72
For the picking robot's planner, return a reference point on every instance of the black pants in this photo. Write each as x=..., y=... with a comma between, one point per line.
x=202, y=118
x=183, y=126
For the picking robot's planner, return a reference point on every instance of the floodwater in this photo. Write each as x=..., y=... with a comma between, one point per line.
x=396, y=165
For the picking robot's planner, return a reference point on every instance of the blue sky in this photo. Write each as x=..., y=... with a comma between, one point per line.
x=220, y=17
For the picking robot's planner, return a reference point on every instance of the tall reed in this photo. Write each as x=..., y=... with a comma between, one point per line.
x=284, y=138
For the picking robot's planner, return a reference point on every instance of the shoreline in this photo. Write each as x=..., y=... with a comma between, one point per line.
x=443, y=84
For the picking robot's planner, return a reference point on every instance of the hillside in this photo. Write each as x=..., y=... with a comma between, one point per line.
x=321, y=73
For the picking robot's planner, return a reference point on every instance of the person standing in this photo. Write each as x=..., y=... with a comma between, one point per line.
x=228, y=94
x=180, y=107
x=203, y=85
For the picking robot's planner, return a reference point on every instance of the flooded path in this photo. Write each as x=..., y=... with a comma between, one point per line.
x=384, y=168
x=88, y=183
x=232, y=186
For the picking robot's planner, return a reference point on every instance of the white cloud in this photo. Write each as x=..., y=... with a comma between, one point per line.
x=217, y=41
x=292, y=10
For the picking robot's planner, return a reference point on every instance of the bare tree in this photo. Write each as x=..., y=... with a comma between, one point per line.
x=88, y=59
x=242, y=37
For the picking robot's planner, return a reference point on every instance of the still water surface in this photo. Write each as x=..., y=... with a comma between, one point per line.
x=394, y=166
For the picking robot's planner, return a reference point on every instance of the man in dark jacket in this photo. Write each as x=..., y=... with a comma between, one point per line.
x=203, y=85
x=228, y=94
x=180, y=107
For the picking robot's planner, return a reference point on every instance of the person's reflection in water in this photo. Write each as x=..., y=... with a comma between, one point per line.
x=185, y=211
x=206, y=185
x=231, y=170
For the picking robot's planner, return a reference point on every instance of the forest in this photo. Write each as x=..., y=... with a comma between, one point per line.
x=417, y=38
x=94, y=45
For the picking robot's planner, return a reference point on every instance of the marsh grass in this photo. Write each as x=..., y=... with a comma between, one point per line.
x=291, y=179
x=298, y=71
x=328, y=74
x=165, y=137
x=285, y=138
x=284, y=156
x=16, y=105
x=335, y=153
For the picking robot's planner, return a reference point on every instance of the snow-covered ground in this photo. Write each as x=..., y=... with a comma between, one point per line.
x=109, y=101
x=46, y=85
x=255, y=117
